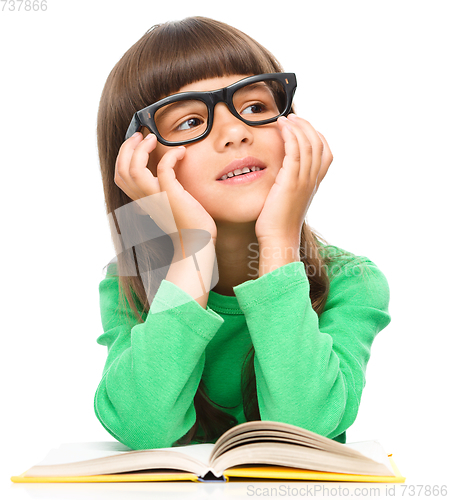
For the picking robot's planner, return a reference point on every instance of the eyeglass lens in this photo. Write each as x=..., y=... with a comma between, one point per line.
x=187, y=119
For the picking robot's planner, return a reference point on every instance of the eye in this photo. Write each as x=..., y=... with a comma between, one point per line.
x=189, y=124
x=254, y=108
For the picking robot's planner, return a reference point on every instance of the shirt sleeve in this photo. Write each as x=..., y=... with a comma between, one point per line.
x=153, y=369
x=310, y=370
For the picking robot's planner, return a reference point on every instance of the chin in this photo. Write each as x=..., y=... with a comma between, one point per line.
x=238, y=216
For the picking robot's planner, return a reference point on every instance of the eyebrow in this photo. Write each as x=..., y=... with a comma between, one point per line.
x=252, y=86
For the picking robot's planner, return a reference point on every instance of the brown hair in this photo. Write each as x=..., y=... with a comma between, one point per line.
x=166, y=58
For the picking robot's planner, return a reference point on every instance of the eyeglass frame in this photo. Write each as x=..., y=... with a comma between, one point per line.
x=145, y=117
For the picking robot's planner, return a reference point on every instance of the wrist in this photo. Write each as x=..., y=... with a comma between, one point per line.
x=277, y=253
x=191, y=243
x=270, y=244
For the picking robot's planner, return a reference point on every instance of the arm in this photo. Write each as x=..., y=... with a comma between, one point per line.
x=153, y=369
x=310, y=371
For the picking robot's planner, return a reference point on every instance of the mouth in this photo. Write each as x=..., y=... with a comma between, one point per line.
x=243, y=178
x=240, y=168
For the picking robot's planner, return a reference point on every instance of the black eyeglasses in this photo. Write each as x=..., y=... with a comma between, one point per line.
x=188, y=116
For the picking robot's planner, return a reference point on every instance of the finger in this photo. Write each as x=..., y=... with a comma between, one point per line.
x=315, y=142
x=326, y=159
x=167, y=182
x=121, y=184
x=122, y=163
x=137, y=176
x=292, y=159
x=305, y=151
x=122, y=166
x=327, y=153
x=165, y=169
x=127, y=148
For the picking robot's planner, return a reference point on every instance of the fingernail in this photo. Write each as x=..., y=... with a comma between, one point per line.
x=135, y=134
x=149, y=136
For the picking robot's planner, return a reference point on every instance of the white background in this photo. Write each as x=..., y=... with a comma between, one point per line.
x=372, y=77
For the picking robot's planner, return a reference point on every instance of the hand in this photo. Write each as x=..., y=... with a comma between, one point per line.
x=134, y=178
x=306, y=162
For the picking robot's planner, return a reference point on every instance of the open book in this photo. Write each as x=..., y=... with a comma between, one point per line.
x=256, y=449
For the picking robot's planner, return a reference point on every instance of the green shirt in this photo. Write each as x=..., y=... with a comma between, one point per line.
x=310, y=370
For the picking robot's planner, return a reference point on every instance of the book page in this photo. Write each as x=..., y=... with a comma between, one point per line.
x=266, y=428
x=77, y=452
x=200, y=452
x=373, y=450
x=300, y=457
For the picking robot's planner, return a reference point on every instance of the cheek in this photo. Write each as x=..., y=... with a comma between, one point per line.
x=276, y=145
x=193, y=166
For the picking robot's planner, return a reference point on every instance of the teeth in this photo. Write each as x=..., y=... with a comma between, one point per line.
x=239, y=171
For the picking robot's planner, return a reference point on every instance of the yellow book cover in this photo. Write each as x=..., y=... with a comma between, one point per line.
x=273, y=472
x=253, y=450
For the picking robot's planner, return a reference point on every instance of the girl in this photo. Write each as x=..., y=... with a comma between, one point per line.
x=284, y=332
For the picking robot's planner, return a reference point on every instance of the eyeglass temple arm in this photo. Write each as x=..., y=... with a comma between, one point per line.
x=133, y=126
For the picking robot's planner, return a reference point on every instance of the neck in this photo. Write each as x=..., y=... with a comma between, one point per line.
x=237, y=251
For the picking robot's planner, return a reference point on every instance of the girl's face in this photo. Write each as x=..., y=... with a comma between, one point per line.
x=229, y=139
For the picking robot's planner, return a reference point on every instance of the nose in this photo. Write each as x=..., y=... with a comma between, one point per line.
x=227, y=130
